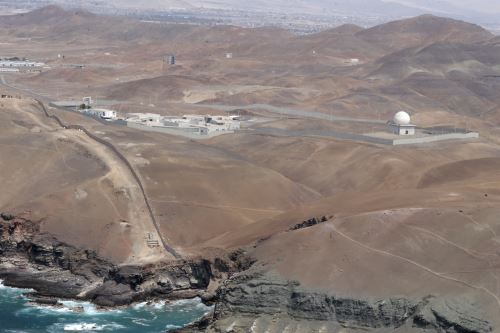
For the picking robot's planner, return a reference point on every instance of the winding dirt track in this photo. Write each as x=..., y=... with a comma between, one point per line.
x=118, y=154
x=129, y=166
x=414, y=263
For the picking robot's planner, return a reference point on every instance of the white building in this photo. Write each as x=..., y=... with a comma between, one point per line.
x=20, y=64
x=149, y=119
x=169, y=59
x=87, y=101
x=401, y=124
x=108, y=114
x=9, y=70
x=101, y=113
x=209, y=124
x=202, y=125
x=104, y=113
x=352, y=61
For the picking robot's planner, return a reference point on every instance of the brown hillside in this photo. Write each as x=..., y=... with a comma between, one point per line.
x=423, y=30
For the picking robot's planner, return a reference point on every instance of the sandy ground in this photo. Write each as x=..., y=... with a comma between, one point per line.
x=414, y=220
x=98, y=180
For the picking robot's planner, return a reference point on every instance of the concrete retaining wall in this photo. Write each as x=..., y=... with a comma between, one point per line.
x=366, y=138
x=435, y=138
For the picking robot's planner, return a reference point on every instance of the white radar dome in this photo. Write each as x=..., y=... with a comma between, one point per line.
x=401, y=118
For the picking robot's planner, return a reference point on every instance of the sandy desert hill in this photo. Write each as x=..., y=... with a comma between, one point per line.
x=301, y=71
x=71, y=184
x=423, y=30
x=412, y=222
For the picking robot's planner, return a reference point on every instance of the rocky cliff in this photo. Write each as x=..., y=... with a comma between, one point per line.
x=248, y=300
x=263, y=302
x=29, y=259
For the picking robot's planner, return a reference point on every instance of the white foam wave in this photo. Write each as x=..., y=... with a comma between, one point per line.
x=86, y=308
x=3, y=287
x=66, y=307
x=70, y=311
x=139, y=306
x=59, y=327
x=141, y=322
x=157, y=305
x=194, y=304
x=114, y=326
x=183, y=302
x=171, y=327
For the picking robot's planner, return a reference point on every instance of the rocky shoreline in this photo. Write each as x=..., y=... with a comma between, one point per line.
x=30, y=259
x=245, y=296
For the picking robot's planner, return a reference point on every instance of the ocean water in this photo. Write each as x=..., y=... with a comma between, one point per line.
x=17, y=316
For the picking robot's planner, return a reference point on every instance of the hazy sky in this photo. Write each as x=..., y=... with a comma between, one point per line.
x=480, y=5
x=485, y=6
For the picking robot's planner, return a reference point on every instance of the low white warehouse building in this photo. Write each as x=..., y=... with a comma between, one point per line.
x=11, y=65
x=192, y=124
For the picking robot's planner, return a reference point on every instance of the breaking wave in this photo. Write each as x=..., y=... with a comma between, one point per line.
x=18, y=315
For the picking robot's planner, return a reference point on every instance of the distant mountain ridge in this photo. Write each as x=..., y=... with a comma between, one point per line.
x=419, y=30
x=386, y=8
x=362, y=12
x=311, y=7
x=424, y=29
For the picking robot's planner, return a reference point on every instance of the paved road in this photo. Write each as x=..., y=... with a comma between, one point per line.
x=49, y=100
x=301, y=133
x=319, y=133
x=264, y=107
x=31, y=93
x=291, y=112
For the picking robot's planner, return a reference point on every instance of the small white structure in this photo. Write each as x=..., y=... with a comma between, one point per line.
x=148, y=119
x=229, y=55
x=9, y=70
x=401, y=124
x=102, y=113
x=87, y=101
x=169, y=59
x=108, y=114
x=352, y=61
x=20, y=63
x=13, y=65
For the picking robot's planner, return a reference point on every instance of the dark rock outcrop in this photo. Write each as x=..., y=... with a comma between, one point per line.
x=262, y=294
x=255, y=295
x=451, y=315
x=7, y=216
x=309, y=223
x=53, y=269
x=30, y=259
x=129, y=284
